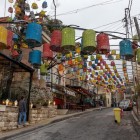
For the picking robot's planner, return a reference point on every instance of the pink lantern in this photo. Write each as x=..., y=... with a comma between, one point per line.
x=56, y=39
x=47, y=52
x=15, y=53
x=134, y=44
x=9, y=39
x=112, y=63
x=103, y=46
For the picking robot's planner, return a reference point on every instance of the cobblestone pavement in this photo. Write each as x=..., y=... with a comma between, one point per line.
x=96, y=125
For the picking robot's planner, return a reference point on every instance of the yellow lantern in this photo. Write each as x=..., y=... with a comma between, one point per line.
x=34, y=6
x=78, y=50
x=18, y=10
x=23, y=45
x=3, y=37
x=117, y=57
x=90, y=63
x=113, y=52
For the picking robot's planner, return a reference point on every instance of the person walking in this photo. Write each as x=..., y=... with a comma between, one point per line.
x=101, y=104
x=22, y=111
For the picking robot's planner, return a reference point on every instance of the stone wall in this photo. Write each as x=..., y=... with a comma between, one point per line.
x=8, y=118
x=38, y=114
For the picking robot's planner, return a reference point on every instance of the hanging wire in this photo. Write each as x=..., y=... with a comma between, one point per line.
x=87, y=7
x=5, y=9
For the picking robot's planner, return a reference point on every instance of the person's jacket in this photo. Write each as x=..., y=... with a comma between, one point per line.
x=22, y=106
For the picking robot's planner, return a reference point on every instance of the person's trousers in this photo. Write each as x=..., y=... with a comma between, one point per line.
x=22, y=115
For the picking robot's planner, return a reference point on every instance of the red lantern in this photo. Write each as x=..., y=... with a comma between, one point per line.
x=103, y=46
x=112, y=63
x=10, y=10
x=47, y=52
x=70, y=62
x=101, y=67
x=15, y=53
x=9, y=39
x=134, y=44
x=56, y=38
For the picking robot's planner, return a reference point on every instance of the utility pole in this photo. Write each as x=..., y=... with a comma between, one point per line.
x=138, y=32
x=137, y=27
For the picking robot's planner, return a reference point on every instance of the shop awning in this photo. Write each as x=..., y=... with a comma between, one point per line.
x=62, y=89
x=8, y=62
x=80, y=90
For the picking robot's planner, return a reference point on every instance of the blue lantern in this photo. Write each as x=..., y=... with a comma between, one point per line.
x=44, y=4
x=96, y=61
x=34, y=35
x=15, y=38
x=126, y=49
x=35, y=58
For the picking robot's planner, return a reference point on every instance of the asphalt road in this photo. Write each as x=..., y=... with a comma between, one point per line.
x=96, y=125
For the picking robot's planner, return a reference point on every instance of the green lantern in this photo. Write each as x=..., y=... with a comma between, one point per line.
x=138, y=56
x=88, y=39
x=43, y=70
x=68, y=39
x=92, y=58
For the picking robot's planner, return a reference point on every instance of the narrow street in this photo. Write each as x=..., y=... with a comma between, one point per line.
x=96, y=125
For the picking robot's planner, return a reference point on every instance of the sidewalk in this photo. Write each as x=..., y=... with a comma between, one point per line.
x=136, y=114
x=8, y=134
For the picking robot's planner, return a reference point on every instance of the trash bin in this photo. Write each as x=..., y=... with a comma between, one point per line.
x=117, y=113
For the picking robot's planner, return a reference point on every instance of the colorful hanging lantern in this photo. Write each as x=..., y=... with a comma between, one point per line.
x=15, y=54
x=34, y=6
x=113, y=52
x=27, y=7
x=18, y=10
x=85, y=56
x=43, y=69
x=103, y=46
x=9, y=39
x=78, y=50
x=126, y=49
x=98, y=56
x=10, y=10
x=11, y=1
x=34, y=35
x=3, y=37
x=134, y=44
x=23, y=45
x=47, y=52
x=90, y=63
x=44, y=4
x=92, y=58
x=88, y=40
x=96, y=61
x=60, y=67
x=56, y=39
x=112, y=63
x=35, y=58
x=68, y=39
x=70, y=62
x=117, y=57
x=15, y=38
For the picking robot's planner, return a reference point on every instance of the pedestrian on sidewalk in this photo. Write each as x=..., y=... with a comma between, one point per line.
x=101, y=104
x=22, y=111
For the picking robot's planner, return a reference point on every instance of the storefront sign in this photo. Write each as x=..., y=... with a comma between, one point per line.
x=69, y=92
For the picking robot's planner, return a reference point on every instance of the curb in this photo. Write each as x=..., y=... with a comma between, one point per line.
x=42, y=125
x=136, y=117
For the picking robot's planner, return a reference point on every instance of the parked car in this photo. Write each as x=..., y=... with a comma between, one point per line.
x=126, y=104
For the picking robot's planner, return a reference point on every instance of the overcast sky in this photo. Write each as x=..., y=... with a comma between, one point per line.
x=87, y=13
